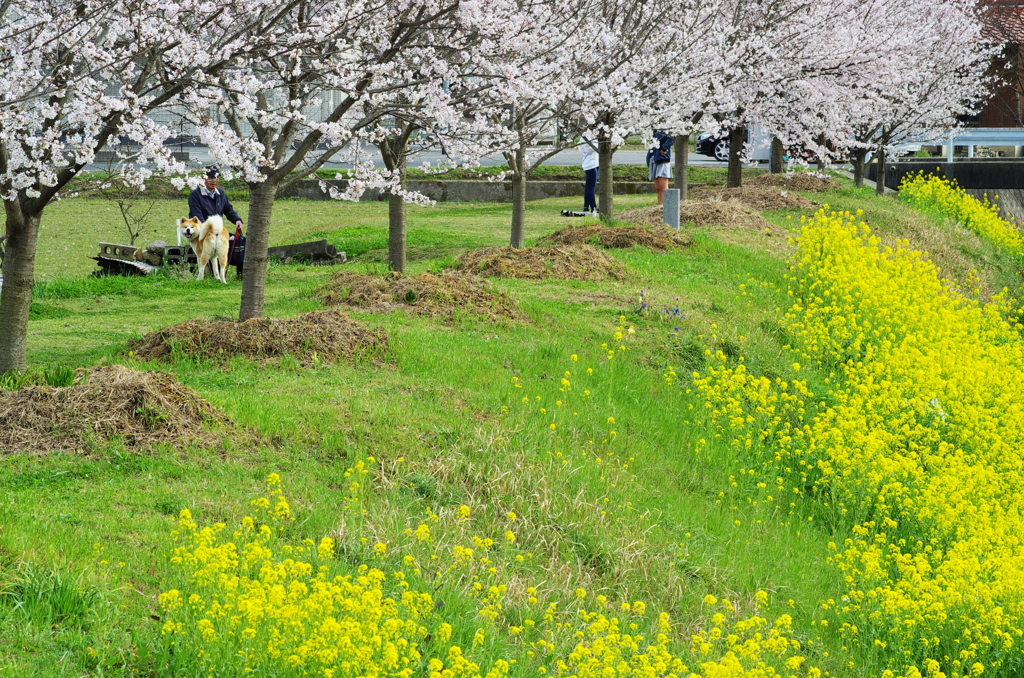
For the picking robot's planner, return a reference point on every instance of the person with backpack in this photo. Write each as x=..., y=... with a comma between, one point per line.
x=659, y=163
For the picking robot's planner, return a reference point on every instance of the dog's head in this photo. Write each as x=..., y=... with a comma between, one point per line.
x=189, y=227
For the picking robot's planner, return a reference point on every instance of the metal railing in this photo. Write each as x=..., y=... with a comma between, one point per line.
x=984, y=136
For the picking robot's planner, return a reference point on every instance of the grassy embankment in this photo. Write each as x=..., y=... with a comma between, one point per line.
x=632, y=515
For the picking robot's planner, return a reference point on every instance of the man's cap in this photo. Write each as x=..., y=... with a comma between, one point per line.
x=212, y=172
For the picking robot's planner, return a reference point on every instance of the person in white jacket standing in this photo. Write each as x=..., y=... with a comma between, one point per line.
x=588, y=146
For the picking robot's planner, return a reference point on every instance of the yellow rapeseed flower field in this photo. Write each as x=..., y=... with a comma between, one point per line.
x=916, y=451
x=932, y=193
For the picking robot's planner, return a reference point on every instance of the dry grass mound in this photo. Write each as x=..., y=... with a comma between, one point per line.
x=427, y=294
x=652, y=236
x=798, y=181
x=328, y=335
x=715, y=212
x=144, y=408
x=564, y=262
x=755, y=197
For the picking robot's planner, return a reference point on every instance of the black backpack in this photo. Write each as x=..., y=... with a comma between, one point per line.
x=236, y=250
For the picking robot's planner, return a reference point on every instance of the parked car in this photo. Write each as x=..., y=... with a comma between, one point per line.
x=717, y=147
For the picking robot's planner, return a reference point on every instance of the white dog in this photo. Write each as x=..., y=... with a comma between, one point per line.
x=209, y=241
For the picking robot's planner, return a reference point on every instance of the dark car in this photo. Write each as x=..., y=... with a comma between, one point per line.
x=717, y=147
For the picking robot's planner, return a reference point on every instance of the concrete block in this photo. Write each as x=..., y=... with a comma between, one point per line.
x=114, y=251
x=179, y=255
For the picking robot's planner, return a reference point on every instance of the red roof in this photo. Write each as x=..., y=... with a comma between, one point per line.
x=1004, y=20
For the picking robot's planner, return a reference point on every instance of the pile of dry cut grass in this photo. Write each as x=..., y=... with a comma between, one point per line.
x=142, y=408
x=714, y=212
x=797, y=181
x=754, y=197
x=325, y=335
x=428, y=294
x=651, y=236
x=565, y=262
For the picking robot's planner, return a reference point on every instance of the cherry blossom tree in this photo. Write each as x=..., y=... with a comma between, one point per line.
x=264, y=116
x=451, y=122
x=550, y=73
x=617, y=70
x=855, y=46
x=494, y=58
x=767, y=45
x=78, y=78
x=626, y=65
x=382, y=70
x=528, y=119
x=920, y=89
x=851, y=74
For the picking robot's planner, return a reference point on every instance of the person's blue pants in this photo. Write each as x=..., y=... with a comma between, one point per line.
x=589, y=190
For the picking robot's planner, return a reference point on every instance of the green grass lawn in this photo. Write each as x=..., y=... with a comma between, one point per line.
x=631, y=515
x=71, y=229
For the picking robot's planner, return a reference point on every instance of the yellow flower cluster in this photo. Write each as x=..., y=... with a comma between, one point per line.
x=611, y=646
x=918, y=450
x=932, y=193
x=251, y=605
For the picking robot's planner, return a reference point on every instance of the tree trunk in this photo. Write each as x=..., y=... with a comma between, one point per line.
x=858, y=166
x=778, y=150
x=682, y=164
x=396, y=227
x=735, y=177
x=821, y=152
x=393, y=150
x=19, y=279
x=604, y=179
x=257, y=239
x=519, y=198
x=880, y=165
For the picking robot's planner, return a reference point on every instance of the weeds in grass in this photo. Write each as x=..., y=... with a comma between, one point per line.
x=444, y=264
x=46, y=597
x=60, y=376
x=12, y=381
x=57, y=376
